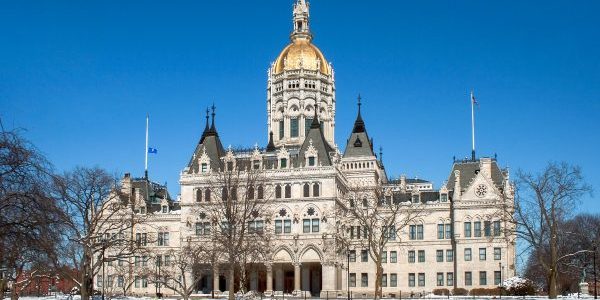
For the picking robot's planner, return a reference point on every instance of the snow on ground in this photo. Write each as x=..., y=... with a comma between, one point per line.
x=207, y=297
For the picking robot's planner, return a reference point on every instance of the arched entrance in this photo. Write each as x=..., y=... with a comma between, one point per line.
x=311, y=278
x=311, y=272
x=283, y=271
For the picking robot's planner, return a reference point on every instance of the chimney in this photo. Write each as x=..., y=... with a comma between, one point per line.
x=126, y=184
x=403, y=182
x=457, y=191
x=485, y=164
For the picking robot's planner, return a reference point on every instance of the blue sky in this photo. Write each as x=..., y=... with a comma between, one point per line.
x=80, y=76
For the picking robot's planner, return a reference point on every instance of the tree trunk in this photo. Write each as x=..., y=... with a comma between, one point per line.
x=231, y=282
x=243, y=278
x=86, y=277
x=2, y=285
x=13, y=294
x=552, y=293
x=378, y=275
x=553, y=272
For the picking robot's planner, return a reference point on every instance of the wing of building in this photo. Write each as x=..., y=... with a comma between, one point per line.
x=462, y=239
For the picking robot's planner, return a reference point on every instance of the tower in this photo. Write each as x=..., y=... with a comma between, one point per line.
x=299, y=81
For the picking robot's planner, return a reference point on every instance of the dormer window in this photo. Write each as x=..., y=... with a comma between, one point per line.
x=415, y=198
x=142, y=210
x=256, y=164
x=444, y=197
x=204, y=167
x=165, y=209
x=311, y=161
x=229, y=166
x=283, y=163
x=357, y=142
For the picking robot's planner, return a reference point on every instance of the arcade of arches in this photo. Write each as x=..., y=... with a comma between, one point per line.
x=284, y=273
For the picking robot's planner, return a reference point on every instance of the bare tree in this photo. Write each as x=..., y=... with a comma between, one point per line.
x=576, y=241
x=100, y=221
x=28, y=214
x=239, y=210
x=181, y=272
x=368, y=220
x=544, y=201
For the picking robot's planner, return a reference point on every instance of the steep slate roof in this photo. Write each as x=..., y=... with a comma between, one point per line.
x=211, y=143
x=416, y=180
x=408, y=181
x=425, y=196
x=270, y=145
x=468, y=171
x=152, y=192
x=359, y=143
x=315, y=135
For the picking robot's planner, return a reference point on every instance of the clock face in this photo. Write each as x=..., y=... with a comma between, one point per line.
x=481, y=191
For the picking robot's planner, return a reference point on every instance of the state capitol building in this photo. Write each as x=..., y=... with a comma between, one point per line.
x=459, y=240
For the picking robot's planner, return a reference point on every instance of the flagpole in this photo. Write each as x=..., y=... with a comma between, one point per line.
x=473, y=126
x=146, y=152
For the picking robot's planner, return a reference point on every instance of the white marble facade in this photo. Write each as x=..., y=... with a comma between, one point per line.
x=300, y=80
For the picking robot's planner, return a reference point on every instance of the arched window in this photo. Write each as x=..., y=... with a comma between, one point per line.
x=365, y=203
x=260, y=192
x=224, y=193
x=316, y=190
x=198, y=195
x=306, y=190
x=250, y=193
x=207, y=195
x=288, y=191
x=277, y=191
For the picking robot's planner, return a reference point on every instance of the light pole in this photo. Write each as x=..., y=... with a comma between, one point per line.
x=595, y=272
x=501, y=285
x=348, y=272
x=103, y=273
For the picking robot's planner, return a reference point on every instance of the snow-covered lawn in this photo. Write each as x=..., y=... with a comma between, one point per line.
x=207, y=297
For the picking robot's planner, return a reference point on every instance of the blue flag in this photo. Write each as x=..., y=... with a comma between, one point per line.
x=152, y=150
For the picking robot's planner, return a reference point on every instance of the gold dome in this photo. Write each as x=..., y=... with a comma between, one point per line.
x=301, y=54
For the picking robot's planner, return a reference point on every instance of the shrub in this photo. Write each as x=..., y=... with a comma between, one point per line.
x=441, y=292
x=485, y=292
x=460, y=292
x=518, y=286
x=526, y=289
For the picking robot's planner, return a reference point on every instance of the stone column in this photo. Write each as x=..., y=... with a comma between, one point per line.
x=253, y=280
x=305, y=281
x=328, y=280
x=269, y=290
x=296, y=279
x=279, y=278
x=216, y=279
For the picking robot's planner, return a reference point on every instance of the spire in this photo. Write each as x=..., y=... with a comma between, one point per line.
x=212, y=127
x=301, y=15
x=270, y=145
x=359, y=124
x=315, y=122
x=206, y=128
x=359, y=144
x=381, y=154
